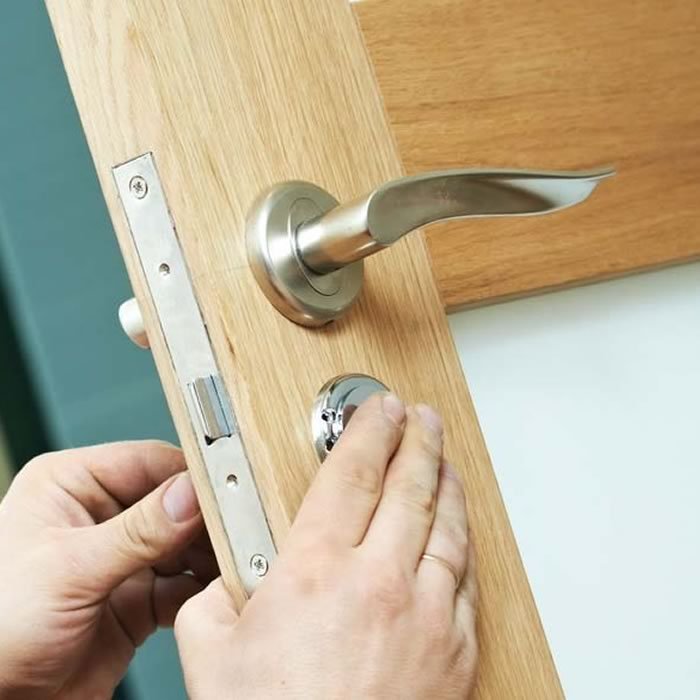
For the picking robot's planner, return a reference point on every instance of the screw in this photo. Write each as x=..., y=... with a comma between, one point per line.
x=259, y=565
x=138, y=187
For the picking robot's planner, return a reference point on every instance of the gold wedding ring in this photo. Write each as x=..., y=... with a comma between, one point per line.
x=446, y=564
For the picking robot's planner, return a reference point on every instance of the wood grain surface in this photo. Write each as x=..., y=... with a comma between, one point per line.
x=232, y=96
x=527, y=83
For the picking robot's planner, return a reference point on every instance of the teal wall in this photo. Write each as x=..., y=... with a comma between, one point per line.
x=63, y=278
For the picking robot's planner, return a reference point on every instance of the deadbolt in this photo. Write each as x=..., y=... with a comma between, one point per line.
x=335, y=405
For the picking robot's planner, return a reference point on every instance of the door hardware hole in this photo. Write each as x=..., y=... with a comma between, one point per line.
x=232, y=481
x=164, y=269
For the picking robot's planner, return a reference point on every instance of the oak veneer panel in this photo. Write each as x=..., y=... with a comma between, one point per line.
x=233, y=96
x=547, y=84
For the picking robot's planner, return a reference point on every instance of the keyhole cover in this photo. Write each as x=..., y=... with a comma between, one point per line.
x=335, y=405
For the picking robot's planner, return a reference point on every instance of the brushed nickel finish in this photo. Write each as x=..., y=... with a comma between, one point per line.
x=306, y=250
x=295, y=290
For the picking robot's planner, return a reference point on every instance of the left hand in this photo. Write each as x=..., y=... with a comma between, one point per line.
x=95, y=547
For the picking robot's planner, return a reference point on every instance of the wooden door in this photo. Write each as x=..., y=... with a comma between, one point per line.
x=231, y=97
x=532, y=83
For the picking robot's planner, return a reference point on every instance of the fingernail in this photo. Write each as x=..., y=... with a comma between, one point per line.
x=430, y=418
x=180, y=501
x=394, y=408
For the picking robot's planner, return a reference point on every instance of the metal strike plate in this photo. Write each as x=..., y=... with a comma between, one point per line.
x=335, y=405
x=195, y=366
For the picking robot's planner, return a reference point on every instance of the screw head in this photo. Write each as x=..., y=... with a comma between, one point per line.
x=259, y=565
x=138, y=187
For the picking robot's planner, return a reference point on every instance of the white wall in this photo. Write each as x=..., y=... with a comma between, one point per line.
x=589, y=402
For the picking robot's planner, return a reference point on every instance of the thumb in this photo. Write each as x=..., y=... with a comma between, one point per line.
x=205, y=622
x=206, y=616
x=157, y=527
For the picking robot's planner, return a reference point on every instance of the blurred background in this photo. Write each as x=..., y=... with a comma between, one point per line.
x=68, y=375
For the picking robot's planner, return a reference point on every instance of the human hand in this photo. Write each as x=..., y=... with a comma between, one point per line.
x=374, y=592
x=94, y=546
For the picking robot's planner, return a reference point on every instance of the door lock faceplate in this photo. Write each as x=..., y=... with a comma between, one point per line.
x=205, y=396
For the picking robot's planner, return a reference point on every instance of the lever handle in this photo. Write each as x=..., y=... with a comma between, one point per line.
x=350, y=232
x=305, y=249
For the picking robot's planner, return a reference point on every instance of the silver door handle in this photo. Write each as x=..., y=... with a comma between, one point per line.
x=305, y=248
x=350, y=232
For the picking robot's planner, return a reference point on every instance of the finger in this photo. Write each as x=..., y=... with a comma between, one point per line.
x=201, y=562
x=200, y=549
x=200, y=615
x=345, y=493
x=131, y=605
x=203, y=542
x=448, y=541
x=145, y=602
x=467, y=600
x=401, y=524
x=129, y=470
x=104, y=479
x=155, y=528
x=170, y=594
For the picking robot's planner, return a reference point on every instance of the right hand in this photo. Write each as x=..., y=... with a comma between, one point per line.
x=351, y=608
